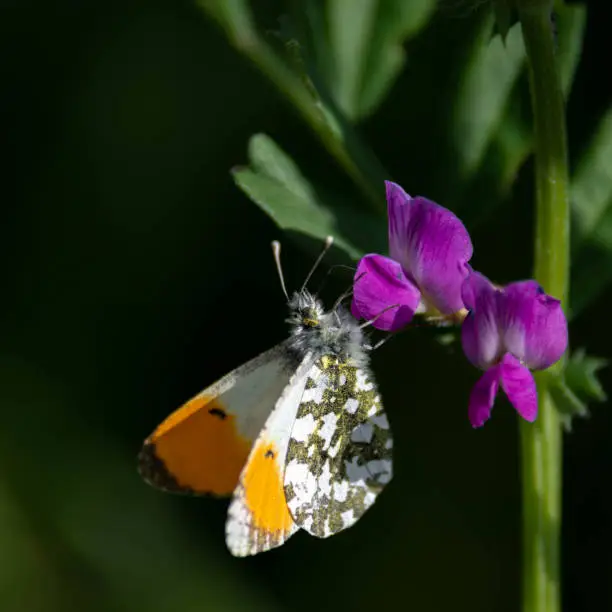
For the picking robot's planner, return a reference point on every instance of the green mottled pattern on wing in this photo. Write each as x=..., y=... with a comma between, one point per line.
x=340, y=452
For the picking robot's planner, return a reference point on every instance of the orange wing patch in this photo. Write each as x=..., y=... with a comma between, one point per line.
x=264, y=494
x=197, y=449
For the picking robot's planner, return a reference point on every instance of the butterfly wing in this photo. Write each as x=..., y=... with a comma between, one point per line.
x=258, y=517
x=340, y=451
x=202, y=447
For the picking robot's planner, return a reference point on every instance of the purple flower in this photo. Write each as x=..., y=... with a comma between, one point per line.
x=508, y=331
x=429, y=249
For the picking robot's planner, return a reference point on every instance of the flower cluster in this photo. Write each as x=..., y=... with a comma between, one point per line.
x=506, y=332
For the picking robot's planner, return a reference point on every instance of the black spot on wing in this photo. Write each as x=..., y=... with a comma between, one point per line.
x=218, y=412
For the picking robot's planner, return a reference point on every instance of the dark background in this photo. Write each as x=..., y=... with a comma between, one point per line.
x=135, y=273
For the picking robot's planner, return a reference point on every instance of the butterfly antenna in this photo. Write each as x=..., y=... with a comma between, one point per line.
x=328, y=242
x=276, y=249
x=329, y=271
x=350, y=290
x=380, y=314
x=380, y=342
x=342, y=297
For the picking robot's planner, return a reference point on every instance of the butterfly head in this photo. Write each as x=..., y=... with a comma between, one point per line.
x=320, y=332
x=315, y=331
x=306, y=311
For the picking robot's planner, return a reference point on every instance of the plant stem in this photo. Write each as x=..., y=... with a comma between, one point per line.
x=541, y=442
x=337, y=135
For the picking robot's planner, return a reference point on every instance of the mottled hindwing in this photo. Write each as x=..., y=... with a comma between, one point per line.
x=340, y=451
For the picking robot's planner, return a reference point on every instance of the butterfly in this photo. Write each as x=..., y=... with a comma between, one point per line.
x=297, y=436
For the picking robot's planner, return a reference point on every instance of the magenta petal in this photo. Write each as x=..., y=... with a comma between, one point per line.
x=520, y=387
x=398, y=212
x=479, y=333
x=482, y=397
x=379, y=283
x=532, y=324
x=432, y=245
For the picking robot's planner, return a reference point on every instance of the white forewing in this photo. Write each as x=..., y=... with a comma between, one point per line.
x=202, y=447
x=252, y=389
x=258, y=516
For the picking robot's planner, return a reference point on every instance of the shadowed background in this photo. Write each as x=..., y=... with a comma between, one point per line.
x=135, y=273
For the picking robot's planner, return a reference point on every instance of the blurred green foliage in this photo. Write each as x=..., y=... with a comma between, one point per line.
x=134, y=269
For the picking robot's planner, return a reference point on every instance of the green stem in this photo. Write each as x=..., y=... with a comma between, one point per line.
x=541, y=442
x=338, y=136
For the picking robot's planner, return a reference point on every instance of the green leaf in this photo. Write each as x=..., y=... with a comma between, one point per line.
x=571, y=23
x=591, y=198
x=269, y=160
x=234, y=16
x=581, y=375
x=592, y=185
x=568, y=404
x=356, y=46
x=397, y=22
x=275, y=183
x=576, y=386
x=483, y=93
x=502, y=9
x=350, y=24
x=511, y=142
